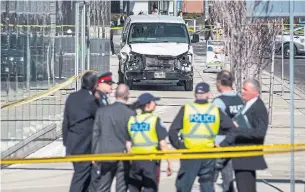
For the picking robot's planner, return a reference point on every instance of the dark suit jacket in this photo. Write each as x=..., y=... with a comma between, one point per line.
x=78, y=121
x=110, y=128
x=258, y=119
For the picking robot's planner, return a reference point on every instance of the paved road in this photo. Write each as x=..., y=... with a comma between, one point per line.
x=56, y=177
x=299, y=65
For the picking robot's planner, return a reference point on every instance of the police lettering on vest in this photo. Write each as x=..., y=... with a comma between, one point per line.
x=202, y=118
x=200, y=125
x=142, y=130
x=139, y=127
x=234, y=109
x=233, y=104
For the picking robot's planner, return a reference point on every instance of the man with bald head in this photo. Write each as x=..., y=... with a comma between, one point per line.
x=109, y=136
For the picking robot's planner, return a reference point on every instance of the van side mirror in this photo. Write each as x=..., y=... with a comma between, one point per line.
x=195, y=38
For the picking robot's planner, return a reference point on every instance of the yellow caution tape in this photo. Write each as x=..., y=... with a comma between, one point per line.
x=208, y=150
x=191, y=29
x=43, y=93
x=170, y=154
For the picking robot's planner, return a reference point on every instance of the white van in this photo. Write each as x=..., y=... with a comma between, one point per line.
x=156, y=47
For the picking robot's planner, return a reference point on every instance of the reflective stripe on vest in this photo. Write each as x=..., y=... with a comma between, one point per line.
x=142, y=130
x=200, y=125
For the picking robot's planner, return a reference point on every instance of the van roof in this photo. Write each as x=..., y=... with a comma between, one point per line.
x=155, y=19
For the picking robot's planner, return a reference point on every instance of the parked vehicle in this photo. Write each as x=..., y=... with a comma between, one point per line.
x=156, y=48
x=298, y=40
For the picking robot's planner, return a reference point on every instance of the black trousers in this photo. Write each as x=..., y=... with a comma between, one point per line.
x=81, y=177
x=105, y=173
x=112, y=46
x=226, y=174
x=144, y=174
x=190, y=169
x=245, y=180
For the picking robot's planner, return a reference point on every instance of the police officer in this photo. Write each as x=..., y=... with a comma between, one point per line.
x=230, y=103
x=146, y=134
x=104, y=87
x=199, y=123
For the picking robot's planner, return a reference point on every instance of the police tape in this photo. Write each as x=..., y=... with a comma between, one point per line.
x=43, y=93
x=169, y=154
x=191, y=29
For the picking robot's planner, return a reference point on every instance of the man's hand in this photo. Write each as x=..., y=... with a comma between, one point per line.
x=236, y=125
x=217, y=145
x=169, y=168
x=93, y=162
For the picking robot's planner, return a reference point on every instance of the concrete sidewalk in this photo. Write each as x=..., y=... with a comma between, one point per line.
x=279, y=130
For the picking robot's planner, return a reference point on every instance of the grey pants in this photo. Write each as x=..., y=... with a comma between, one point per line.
x=107, y=171
x=227, y=175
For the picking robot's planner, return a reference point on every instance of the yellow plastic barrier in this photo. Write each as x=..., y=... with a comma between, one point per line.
x=238, y=151
x=42, y=94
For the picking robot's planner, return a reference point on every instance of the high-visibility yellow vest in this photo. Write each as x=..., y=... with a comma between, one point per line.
x=142, y=130
x=200, y=125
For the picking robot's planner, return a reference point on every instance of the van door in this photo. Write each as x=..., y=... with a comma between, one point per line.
x=125, y=32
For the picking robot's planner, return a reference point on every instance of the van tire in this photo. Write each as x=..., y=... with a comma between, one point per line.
x=121, y=77
x=128, y=82
x=188, y=85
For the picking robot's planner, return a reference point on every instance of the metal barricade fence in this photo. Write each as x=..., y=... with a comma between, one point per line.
x=38, y=53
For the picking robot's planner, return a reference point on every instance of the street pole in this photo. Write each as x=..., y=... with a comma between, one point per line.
x=83, y=38
x=282, y=50
x=206, y=9
x=88, y=36
x=76, y=70
x=175, y=8
x=291, y=81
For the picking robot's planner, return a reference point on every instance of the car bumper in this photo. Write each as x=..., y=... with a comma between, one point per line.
x=151, y=75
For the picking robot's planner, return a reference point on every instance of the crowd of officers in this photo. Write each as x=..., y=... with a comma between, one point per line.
x=94, y=126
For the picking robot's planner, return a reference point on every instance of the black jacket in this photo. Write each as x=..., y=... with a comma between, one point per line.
x=258, y=119
x=225, y=124
x=103, y=100
x=78, y=121
x=110, y=128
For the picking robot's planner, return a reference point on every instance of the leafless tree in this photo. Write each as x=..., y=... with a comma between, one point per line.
x=250, y=38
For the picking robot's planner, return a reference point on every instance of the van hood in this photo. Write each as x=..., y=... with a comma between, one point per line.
x=164, y=49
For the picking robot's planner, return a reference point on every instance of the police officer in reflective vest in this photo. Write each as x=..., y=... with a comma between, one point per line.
x=147, y=134
x=199, y=123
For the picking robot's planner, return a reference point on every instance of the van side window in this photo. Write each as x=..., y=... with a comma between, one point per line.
x=125, y=29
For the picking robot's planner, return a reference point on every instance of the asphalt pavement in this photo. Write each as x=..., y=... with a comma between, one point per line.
x=56, y=177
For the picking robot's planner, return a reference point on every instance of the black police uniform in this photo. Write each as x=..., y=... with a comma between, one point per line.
x=146, y=174
x=233, y=103
x=190, y=169
x=101, y=102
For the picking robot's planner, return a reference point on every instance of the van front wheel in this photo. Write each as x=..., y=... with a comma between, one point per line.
x=188, y=85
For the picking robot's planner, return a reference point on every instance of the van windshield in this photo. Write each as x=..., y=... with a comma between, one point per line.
x=158, y=33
